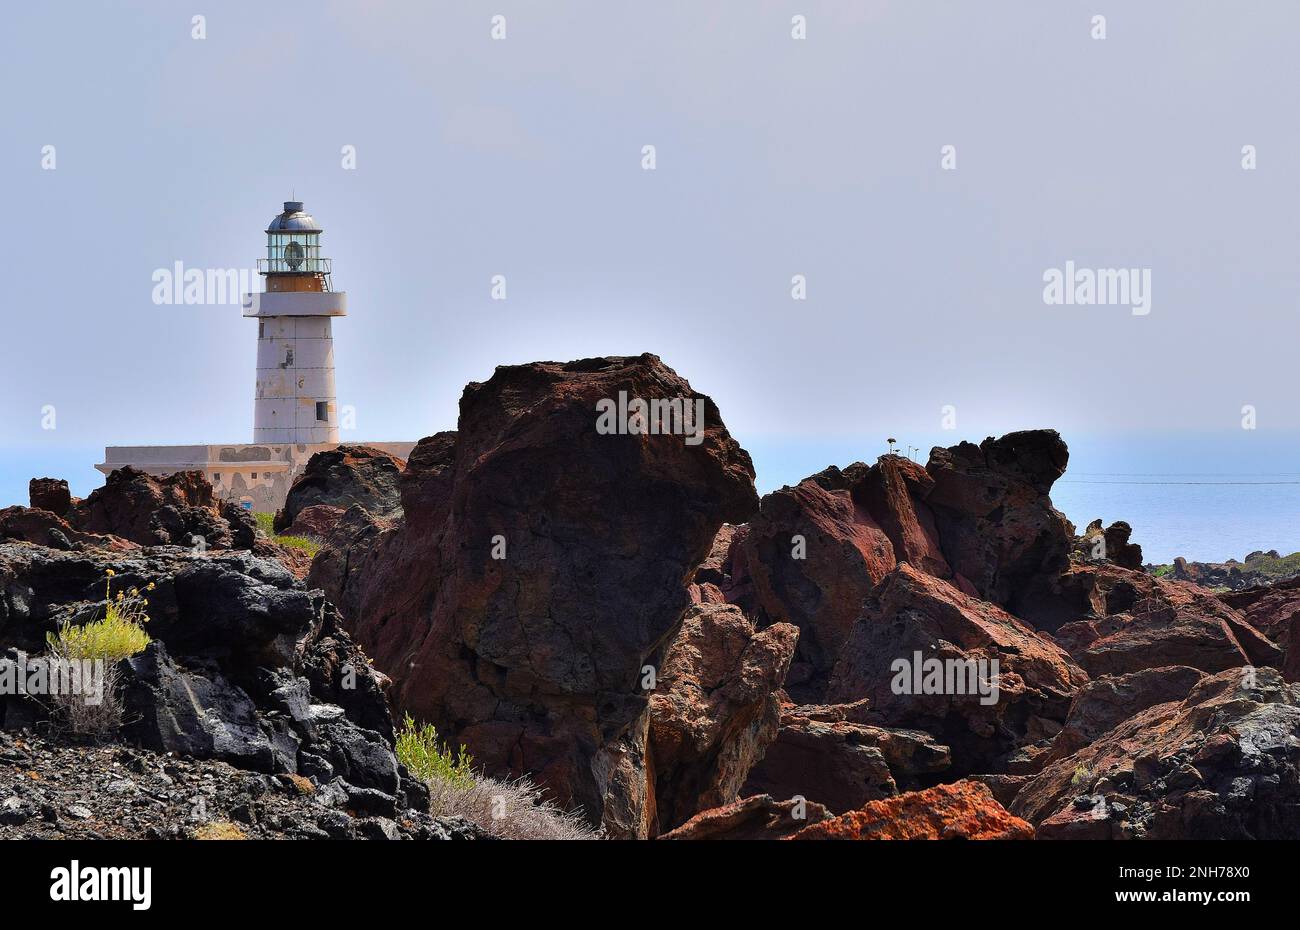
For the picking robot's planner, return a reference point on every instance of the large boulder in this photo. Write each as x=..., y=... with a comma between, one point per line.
x=1127, y=621
x=542, y=561
x=341, y=477
x=811, y=557
x=1223, y=763
x=195, y=712
x=997, y=526
x=1104, y=703
x=833, y=755
x=50, y=494
x=929, y=657
x=965, y=810
x=714, y=709
x=1274, y=610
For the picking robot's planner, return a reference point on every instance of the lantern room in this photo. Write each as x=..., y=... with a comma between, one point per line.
x=293, y=251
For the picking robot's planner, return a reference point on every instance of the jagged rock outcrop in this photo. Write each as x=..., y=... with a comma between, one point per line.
x=540, y=564
x=132, y=508
x=1110, y=543
x=1223, y=763
x=833, y=755
x=246, y=666
x=998, y=528
x=714, y=709
x=916, y=627
x=965, y=810
x=1104, y=703
x=1126, y=621
x=811, y=557
x=176, y=509
x=977, y=516
x=1274, y=610
x=50, y=494
x=342, y=477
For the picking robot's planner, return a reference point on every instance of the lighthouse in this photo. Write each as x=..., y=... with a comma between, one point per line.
x=295, y=399
x=295, y=413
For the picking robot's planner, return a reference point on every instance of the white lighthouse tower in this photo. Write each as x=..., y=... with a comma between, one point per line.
x=295, y=414
x=295, y=399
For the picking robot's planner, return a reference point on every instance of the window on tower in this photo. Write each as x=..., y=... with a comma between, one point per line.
x=322, y=410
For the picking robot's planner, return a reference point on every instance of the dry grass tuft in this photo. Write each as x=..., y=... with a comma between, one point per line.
x=219, y=830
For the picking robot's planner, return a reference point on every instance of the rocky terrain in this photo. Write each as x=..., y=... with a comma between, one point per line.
x=892, y=650
x=1258, y=568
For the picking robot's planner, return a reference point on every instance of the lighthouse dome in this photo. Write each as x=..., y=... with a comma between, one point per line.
x=293, y=219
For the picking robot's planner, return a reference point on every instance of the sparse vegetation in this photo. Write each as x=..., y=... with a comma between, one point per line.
x=219, y=830
x=513, y=810
x=266, y=523
x=119, y=634
x=1081, y=774
x=421, y=751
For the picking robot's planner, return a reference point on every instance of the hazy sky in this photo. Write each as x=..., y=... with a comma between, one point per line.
x=775, y=157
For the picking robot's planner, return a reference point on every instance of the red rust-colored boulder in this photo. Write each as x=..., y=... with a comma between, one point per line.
x=964, y=810
x=758, y=817
x=813, y=554
x=50, y=494
x=541, y=563
x=714, y=709
x=832, y=754
x=911, y=615
x=996, y=522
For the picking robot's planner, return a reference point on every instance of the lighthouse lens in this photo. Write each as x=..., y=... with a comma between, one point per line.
x=293, y=256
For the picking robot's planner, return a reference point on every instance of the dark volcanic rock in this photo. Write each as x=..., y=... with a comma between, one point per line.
x=177, y=509
x=714, y=709
x=195, y=713
x=539, y=566
x=831, y=755
x=811, y=557
x=1104, y=703
x=1128, y=621
x=1111, y=543
x=1224, y=763
x=998, y=527
x=50, y=494
x=342, y=477
x=912, y=614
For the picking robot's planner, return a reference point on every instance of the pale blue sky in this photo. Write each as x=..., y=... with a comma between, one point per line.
x=775, y=157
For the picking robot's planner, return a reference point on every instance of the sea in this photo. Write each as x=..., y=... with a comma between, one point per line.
x=1205, y=499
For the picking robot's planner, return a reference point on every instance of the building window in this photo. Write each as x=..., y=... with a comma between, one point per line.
x=216, y=477
x=254, y=476
x=322, y=410
x=288, y=356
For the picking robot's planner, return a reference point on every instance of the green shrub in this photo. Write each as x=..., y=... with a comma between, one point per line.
x=310, y=546
x=118, y=635
x=420, y=750
x=266, y=523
